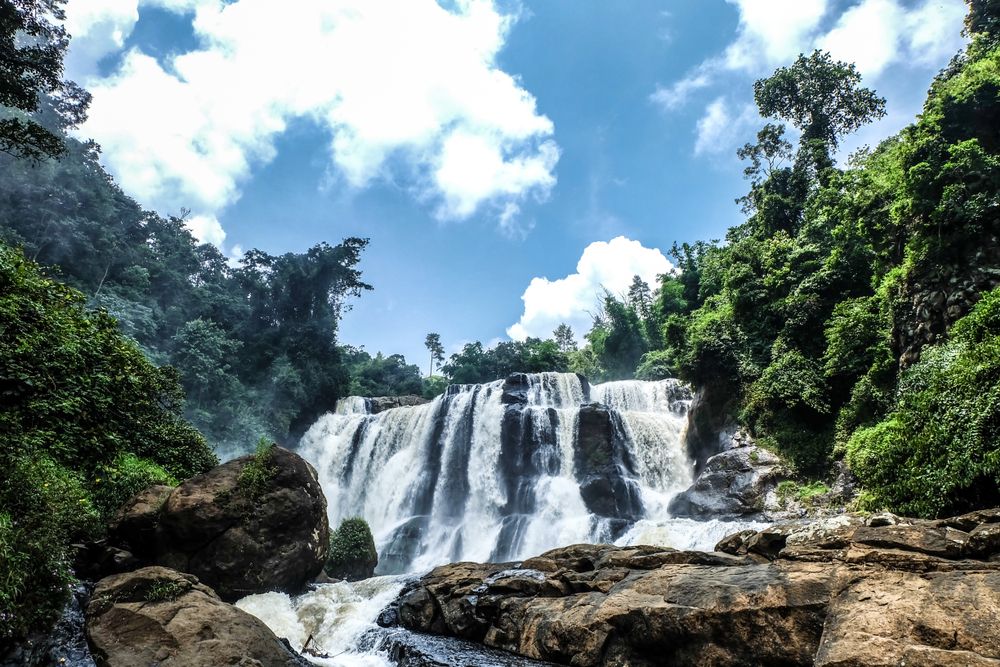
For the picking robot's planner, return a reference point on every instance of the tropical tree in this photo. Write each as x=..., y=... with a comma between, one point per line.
x=33, y=43
x=434, y=346
x=564, y=338
x=822, y=98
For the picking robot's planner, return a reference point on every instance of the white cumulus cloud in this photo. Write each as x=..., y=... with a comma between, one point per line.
x=603, y=265
x=404, y=88
x=873, y=34
x=772, y=32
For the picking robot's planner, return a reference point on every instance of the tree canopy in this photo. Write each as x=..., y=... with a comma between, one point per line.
x=33, y=42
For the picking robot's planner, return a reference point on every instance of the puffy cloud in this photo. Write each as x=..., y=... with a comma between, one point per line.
x=98, y=27
x=603, y=265
x=874, y=34
x=207, y=229
x=721, y=127
x=877, y=33
x=772, y=32
x=404, y=88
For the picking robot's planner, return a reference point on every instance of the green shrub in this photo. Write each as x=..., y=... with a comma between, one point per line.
x=124, y=477
x=86, y=420
x=43, y=508
x=787, y=407
x=352, y=552
x=657, y=365
x=938, y=451
x=257, y=473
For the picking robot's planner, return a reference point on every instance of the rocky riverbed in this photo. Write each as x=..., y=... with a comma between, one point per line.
x=845, y=591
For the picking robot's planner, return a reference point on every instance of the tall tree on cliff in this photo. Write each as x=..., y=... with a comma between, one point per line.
x=822, y=98
x=32, y=46
x=434, y=346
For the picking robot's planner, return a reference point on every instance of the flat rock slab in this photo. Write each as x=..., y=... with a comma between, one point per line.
x=845, y=592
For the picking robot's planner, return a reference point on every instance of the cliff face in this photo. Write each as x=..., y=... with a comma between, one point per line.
x=843, y=591
x=943, y=296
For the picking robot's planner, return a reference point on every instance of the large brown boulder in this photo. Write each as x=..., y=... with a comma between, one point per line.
x=158, y=616
x=252, y=525
x=844, y=591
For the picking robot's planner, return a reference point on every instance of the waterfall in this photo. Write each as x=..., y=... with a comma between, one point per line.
x=504, y=470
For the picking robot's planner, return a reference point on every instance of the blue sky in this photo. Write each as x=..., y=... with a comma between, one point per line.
x=506, y=159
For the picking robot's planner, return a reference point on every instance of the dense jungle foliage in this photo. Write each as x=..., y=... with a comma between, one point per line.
x=254, y=341
x=854, y=315
x=855, y=311
x=87, y=422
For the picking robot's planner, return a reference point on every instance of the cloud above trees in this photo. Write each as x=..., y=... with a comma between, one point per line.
x=572, y=299
x=408, y=91
x=874, y=34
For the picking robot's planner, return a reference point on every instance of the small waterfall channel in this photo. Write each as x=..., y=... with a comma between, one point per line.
x=490, y=472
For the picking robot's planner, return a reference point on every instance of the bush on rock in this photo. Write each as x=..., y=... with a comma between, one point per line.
x=352, y=553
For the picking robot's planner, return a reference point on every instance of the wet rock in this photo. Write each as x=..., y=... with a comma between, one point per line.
x=604, y=466
x=515, y=389
x=62, y=645
x=408, y=649
x=733, y=484
x=838, y=591
x=379, y=404
x=158, y=616
x=236, y=539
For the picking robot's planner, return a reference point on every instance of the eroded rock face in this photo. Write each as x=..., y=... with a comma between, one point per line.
x=158, y=616
x=842, y=591
x=238, y=540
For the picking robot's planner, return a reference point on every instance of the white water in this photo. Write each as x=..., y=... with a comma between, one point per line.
x=331, y=618
x=433, y=484
x=436, y=484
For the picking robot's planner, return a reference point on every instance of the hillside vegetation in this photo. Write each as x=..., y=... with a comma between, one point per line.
x=855, y=312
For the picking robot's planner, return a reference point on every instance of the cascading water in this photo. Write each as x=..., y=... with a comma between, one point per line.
x=491, y=472
x=503, y=470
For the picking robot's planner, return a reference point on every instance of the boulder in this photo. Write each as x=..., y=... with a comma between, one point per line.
x=238, y=533
x=603, y=465
x=733, y=484
x=379, y=404
x=891, y=618
x=158, y=616
x=841, y=591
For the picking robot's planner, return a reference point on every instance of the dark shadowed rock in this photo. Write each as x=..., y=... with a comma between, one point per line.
x=239, y=537
x=134, y=526
x=62, y=645
x=157, y=616
x=603, y=465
